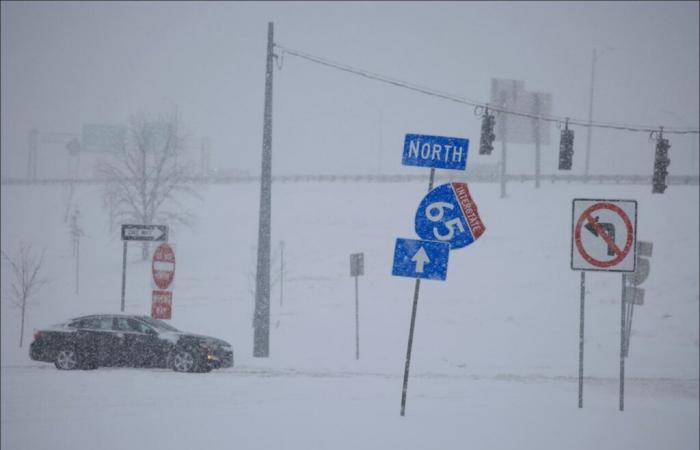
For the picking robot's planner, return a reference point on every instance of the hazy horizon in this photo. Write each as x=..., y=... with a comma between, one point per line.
x=67, y=64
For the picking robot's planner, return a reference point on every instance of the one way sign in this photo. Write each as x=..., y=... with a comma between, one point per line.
x=421, y=259
x=145, y=233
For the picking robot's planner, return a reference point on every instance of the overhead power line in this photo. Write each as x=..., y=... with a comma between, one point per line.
x=477, y=104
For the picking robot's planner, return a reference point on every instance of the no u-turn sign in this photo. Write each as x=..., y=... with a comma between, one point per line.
x=604, y=235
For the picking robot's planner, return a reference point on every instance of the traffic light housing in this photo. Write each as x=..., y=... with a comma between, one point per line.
x=488, y=122
x=661, y=162
x=566, y=149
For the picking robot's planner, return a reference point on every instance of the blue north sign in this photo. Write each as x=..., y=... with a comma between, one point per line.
x=439, y=152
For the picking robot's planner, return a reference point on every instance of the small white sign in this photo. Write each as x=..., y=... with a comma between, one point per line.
x=604, y=235
x=357, y=264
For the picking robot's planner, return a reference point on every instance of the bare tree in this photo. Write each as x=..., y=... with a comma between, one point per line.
x=148, y=179
x=26, y=280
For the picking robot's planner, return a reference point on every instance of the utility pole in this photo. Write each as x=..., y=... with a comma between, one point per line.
x=537, y=140
x=261, y=338
x=503, y=131
x=281, y=273
x=590, y=109
x=381, y=140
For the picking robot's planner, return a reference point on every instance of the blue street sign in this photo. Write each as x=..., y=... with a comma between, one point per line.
x=448, y=214
x=420, y=259
x=435, y=151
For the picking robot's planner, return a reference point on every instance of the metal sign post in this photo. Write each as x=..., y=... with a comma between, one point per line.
x=633, y=294
x=404, y=390
x=357, y=268
x=580, y=340
x=447, y=217
x=416, y=290
x=604, y=238
x=151, y=233
x=622, y=346
x=123, y=275
x=357, y=321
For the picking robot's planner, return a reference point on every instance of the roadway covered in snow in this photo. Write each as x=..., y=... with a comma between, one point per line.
x=495, y=352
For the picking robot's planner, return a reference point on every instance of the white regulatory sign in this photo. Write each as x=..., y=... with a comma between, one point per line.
x=604, y=235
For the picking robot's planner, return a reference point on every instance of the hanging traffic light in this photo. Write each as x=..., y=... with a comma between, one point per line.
x=566, y=147
x=487, y=135
x=661, y=162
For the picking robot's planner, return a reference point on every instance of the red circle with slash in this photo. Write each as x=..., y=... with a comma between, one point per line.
x=620, y=254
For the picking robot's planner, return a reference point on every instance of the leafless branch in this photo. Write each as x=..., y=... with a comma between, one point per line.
x=148, y=180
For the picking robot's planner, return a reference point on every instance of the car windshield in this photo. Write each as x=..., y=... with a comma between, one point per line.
x=158, y=324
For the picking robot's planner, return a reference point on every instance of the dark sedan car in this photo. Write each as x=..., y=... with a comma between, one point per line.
x=122, y=340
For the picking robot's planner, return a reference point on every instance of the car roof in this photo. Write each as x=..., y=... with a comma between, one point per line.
x=91, y=316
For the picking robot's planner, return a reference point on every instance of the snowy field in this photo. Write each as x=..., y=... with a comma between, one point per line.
x=495, y=354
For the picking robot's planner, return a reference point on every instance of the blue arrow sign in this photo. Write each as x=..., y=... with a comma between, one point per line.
x=420, y=259
x=448, y=214
x=435, y=151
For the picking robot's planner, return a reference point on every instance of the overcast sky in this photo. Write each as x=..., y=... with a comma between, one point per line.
x=67, y=64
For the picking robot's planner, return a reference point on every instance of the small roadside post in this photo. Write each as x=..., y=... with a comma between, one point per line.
x=152, y=233
x=357, y=268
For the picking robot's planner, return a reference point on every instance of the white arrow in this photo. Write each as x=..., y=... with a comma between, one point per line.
x=152, y=233
x=420, y=258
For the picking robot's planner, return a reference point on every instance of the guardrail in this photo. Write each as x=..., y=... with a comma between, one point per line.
x=474, y=178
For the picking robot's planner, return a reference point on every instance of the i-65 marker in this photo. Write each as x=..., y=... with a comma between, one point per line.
x=448, y=214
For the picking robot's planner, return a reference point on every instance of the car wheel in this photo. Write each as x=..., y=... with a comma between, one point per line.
x=66, y=359
x=183, y=361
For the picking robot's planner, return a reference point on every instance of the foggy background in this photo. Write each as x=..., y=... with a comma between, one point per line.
x=496, y=345
x=65, y=65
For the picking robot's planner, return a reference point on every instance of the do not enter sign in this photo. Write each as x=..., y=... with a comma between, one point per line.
x=604, y=235
x=163, y=266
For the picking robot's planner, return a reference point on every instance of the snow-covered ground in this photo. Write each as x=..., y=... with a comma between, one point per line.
x=495, y=354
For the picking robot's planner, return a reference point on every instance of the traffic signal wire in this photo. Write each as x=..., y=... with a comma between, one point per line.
x=464, y=101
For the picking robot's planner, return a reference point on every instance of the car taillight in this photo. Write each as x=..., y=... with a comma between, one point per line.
x=37, y=335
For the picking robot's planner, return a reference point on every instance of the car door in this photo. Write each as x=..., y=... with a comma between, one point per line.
x=96, y=339
x=109, y=342
x=139, y=342
x=148, y=345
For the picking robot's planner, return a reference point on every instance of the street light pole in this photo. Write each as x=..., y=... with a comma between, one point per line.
x=595, y=57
